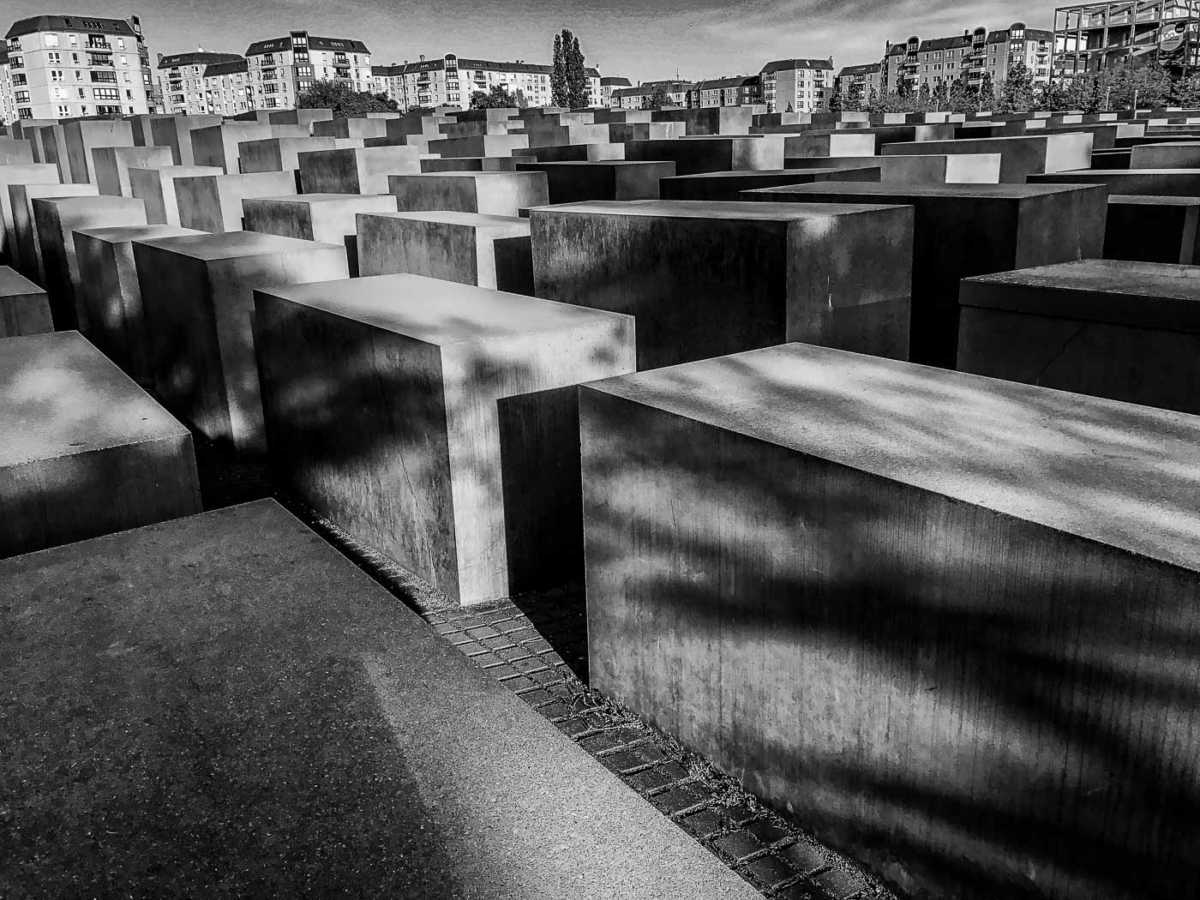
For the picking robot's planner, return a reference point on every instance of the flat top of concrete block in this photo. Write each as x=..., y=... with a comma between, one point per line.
x=1106, y=276
x=1035, y=136
x=14, y=284
x=60, y=396
x=1119, y=173
x=315, y=199
x=508, y=224
x=464, y=176
x=1151, y=200
x=440, y=312
x=751, y=174
x=589, y=163
x=124, y=234
x=899, y=190
x=232, y=244
x=1117, y=473
x=89, y=202
x=180, y=171
x=707, y=209
x=37, y=191
x=237, y=703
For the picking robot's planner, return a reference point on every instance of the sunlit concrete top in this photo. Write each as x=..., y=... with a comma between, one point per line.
x=1117, y=473
x=896, y=190
x=123, y=234
x=1152, y=200
x=13, y=283
x=441, y=312
x=707, y=209
x=232, y=244
x=60, y=396
x=517, y=225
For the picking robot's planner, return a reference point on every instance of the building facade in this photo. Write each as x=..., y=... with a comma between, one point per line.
x=609, y=84
x=280, y=69
x=1017, y=44
x=1089, y=37
x=181, y=80
x=451, y=81
x=227, y=88
x=8, y=106
x=741, y=90
x=67, y=66
x=796, y=85
x=673, y=94
x=855, y=85
x=973, y=56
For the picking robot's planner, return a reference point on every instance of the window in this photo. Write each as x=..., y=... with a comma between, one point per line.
x=120, y=43
x=24, y=112
x=74, y=39
x=16, y=62
x=50, y=40
x=21, y=96
x=63, y=110
x=19, y=80
x=103, y=93
x=124, y=60
x=82, y=93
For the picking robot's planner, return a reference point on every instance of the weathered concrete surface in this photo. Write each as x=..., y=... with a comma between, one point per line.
x=1181, y=155
x=56, y=219
x=480, y=145
x=693, y=156
x=31, y=173
x=306, y=117
x=82, y=136
x=219, y=145
x=578, y=152
x=1143, y=182
x=278, y=154
x=356, y=171
x=111, y=166
x=950, y=168
x=470, y=164
x=1020, y=156
x=197, y=298
x=1153, y=229
x=706, y=279
x=828, y=143
x=889, y=596
x=176, y=132
x=24, y=307
x=487, y=193
x=295, y=731
x=141, y=126
x=350, y=128
x=213, y=203
x=1119, y=329
x=110, y=295
x=486, y=251
x=28, y=247
x=462, y=398
x=728, y=186
x=963, y=230
x=156, y=188
x=330, y=218
x=84, y=452
x=15, y=151
x=53, y=142
x=722, y=120
x=572, y=182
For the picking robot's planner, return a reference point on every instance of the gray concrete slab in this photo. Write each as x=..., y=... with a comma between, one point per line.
x=367, y=757
x=219, y=145
x=713, y=154
x=868, y=587
x=486, y=193
x=1153, y=229
x=213, y=203
x=572, y=182
x=1020, y=156
x=156, y=188
x=1146, y=182
x=176, y=132
x=462, y=397
x=24, y=307
x=28, y=246
x=111, y=165
x=330, y=218
x=356, y=171
x=708, y=278
x=728, y=186
x=85, y=451
x=31, y=173
x=81, y=136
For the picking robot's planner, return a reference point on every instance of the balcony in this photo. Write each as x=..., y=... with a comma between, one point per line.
x=104, y=77
x=94, y=44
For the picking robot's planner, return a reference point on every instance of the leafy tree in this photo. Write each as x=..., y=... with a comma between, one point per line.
x=960, y=98
x=558, y=78
x=1052, y=97
x=873, y=103
x=577, y=79
x=1185, y=91
x=834, y=101
x=497, y=98
x=1016, y=94
x=660, y=98
x=344, y=100
x=924, y=98
x=940, y=97
x=985, y=97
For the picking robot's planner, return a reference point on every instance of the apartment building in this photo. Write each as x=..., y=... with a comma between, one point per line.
x=1089, y=37
x=8, y=106
x=608, y=84
x=642, y=96
x=855, y=84
x=227, y=88
x=66, y=66
x=972, y=55
x=280, y=69
x=740, y=90
x=1017, y=44
x=796, y=85
x=451, y=81
x=181, y=80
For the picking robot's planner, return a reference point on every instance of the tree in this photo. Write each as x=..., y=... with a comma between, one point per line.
x=873, y=104
x=985, y=97
x=924, y=98
x=1016, y=94
x=497, y=98
x=577, y=78
x=344, y=100
x=835, y=100
x=960, y=98
x=940, y=97
x=558, y=78
x=660, y=98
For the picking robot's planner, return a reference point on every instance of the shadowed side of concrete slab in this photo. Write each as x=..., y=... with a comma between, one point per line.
x=244, y=711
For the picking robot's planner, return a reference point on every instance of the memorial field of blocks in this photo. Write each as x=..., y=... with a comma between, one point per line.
x=871, y=442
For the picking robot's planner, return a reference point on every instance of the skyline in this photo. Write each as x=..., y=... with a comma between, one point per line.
x=697, y=40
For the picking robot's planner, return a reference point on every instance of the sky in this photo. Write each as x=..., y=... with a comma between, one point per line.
x=696, y=39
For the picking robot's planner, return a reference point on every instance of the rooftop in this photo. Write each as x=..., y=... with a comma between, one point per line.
x=783, y=65
x=195, y=58
x=37, y=24
x=278, y=45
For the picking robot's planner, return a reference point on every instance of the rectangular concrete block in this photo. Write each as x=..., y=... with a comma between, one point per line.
x=197, y=297
x=578, y=152
x=213, y=203
x=1141, y=182
x=329, y=218
x=156, y=188
x=469, y=164
x=693, y=156
x=111, y=297
x=220, y=145
x=828, y=143
x=1181, y=155
x=491, y=252
x=85, y=451
x=572, y=182
x=24, y=307
x=462, y=398
x=306, y=117
x=111, y=166
x=705, y=279
x=897, y=602
x=1110, y=328
x=721, y=120
x=373, y=733
x=487, y=193
x=176, y=132
x=30, y=173
x=624, y=132
x=963, y=230
x=53, y=142
x=350, y=128
x=480, y=145
x=1153, y=229
x=56, y=219
x=81, y=137
x=28, y=245
x=15, y=151
x=356, y=171
x=728, y=186
x=1020, y=156
x=955, y=168
x=278, y=154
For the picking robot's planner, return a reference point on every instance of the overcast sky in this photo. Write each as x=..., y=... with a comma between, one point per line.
x=700, y=39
